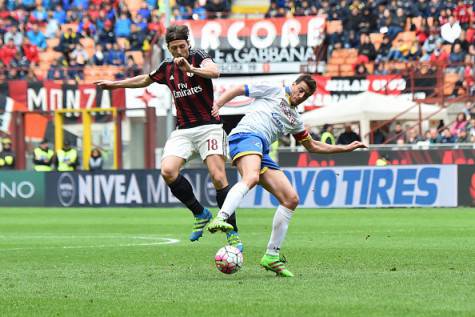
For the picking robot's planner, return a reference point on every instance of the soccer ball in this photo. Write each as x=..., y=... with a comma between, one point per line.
x=228, y=259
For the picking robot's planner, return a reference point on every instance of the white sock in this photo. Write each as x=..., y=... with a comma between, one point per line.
x=279, y=229
x=233, y=199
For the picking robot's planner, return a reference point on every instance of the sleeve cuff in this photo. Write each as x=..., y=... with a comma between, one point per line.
x=246, y=90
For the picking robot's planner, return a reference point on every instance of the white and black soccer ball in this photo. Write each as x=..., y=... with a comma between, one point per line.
x=228, y=259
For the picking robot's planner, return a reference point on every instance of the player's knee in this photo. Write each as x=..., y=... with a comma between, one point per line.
x=169, y=174
x=218, y=177
x=291, y=202
x=251, y=180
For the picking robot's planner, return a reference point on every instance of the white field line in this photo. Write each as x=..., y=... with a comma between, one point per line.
x=154, y=240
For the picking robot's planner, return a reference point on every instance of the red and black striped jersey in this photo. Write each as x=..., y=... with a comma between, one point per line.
x=193, y=94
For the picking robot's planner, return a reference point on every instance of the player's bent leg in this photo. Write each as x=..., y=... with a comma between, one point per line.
x=248, y=166
x=182, y=189
x=277, y=184
x=217, y=171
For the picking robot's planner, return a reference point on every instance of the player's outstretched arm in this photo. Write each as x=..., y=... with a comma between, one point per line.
x=227, y=96
x=134, y=82
x=320, y=147
x=208, y=68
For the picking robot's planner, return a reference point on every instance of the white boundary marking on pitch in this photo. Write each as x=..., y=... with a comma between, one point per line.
x=162, y=241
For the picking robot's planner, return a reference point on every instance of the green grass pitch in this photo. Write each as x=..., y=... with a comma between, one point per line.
x=138, y=262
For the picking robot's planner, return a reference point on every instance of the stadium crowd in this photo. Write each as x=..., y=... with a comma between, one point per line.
x=91, y=32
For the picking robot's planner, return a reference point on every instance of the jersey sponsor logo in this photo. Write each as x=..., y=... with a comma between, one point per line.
x=287, y=112
x=190, y=74
x=185, y=91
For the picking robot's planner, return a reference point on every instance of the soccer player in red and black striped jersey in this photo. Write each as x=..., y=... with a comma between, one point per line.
x=188, y=75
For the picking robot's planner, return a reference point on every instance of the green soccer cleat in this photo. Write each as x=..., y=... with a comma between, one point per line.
x=219, y=224
x=234, y=240
x=275, y=264
x=200, y=223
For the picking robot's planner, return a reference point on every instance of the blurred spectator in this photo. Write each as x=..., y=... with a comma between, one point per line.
x=457, y=55
x=382, y=53
x=433, y=136
x=52, y=28
x=74, y=71
x=430, y=44
x=463, y=136
x=107, y=35
x=217, y=9
x=86, y=28
x=43, y=157
x=366, y=51
x=446, y=136
x=20, y=65
x=116, y=55
x=30, y=51
x=327, y=134
x=36, y=37
x=8, y=52
x=439, y=56
x=397, y=134
x=59, y=14
x=199, y=11
x=348, y=136
x=122, y=26
x=459, y=123
x=39, y=14
x=144, y=11
x=100, y=57
x=56, y=71
x=272, y=11
x=354, y=20
x=469, y=109
x=132, y=68
x=361, y=70
x=305, y=9
x=67, y=158
x=15, y=35
x=79, y=55
x=471, y=130
x=413, y=137
x=378, y=137
x=67, y=43
x=136, y=38
x=95, y=161
x=155, y=26
x=7, y=156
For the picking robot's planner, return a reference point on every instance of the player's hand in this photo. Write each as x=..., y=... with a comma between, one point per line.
x=215, y=110
x=183, y=64
x=105, y=84
x=356, y=145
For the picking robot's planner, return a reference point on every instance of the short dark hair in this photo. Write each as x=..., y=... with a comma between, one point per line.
x=177, y=32
x=312, y=85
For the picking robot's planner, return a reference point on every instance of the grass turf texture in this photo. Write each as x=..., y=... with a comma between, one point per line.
x=94, y=262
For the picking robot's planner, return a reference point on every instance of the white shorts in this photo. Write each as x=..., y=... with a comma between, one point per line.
x=204, y=140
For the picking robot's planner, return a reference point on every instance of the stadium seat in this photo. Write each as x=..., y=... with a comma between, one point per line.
x=52, y=43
